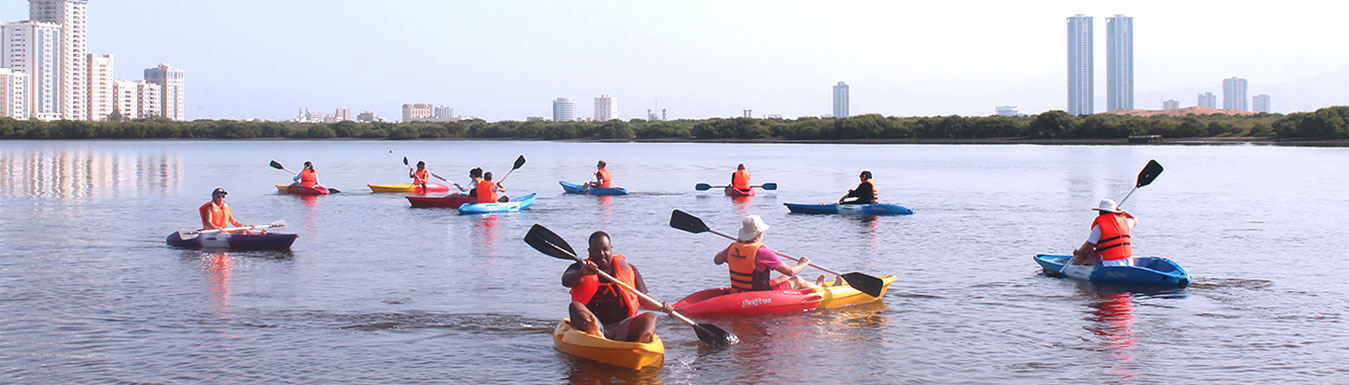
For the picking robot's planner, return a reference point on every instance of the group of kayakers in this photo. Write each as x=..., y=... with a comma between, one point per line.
x=480, y=183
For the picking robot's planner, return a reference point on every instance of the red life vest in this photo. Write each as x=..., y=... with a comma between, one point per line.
x=309, y=178
x=740, y=179
x=604, y=176
x=1114, y=243
x=875, y=195
x=745, y=276
x=587, y=289
x=215, y=217
x=486, y=191
x=420, y=177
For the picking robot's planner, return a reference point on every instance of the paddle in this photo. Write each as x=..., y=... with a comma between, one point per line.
x=547, y=242
x=442, y=179
x=1145, y=177
x=870, y=285
x=705, y=186
x=520, y=161
x=278, y=166
x=191, y=233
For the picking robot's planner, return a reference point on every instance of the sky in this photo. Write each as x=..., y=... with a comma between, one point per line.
x=507, y=60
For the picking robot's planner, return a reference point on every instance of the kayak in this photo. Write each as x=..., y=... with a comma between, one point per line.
x=863, y=209
x=514, y=205
x=269, y=241
x=735, y=192
x=571, y=188
x=725, y=303
x=432, y=188
x=1155, y=271
x=452, y=201
x=631, y=355
x=301, y=190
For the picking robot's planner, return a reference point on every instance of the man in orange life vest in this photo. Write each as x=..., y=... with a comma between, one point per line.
x=601, y=307
x=865, y=193
x=307, y=177
x=740, y=178
x=1108, y=244
x=486, y=190
x=420, y=176
x=602, y=176
x=216, y=214
x=751, y=262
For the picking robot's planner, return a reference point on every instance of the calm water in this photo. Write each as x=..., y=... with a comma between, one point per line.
x=377, y=292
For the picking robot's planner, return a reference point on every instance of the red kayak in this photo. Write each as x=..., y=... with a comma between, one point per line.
x=296, y=189
x=735, y=192
x=452, y=201
x=725, y=303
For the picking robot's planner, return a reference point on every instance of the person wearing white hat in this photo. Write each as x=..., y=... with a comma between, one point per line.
x=1109, y=242
x=751, y=262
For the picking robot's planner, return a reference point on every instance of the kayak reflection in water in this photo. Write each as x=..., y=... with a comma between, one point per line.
x=1108, y=244
x=605, y=308
x=865, y=193
x=216, y=214
x=307, y=176
x=751, y=262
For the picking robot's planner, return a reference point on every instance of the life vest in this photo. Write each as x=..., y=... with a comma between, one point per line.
x=473, y=192
x=610, y=302
x=1114, y=243
x=875, y=195
x=744, y=274
x=420, y=177
x=215, y=217
x=486, y=191
x=309, y=178
x=604, y=176
x=740, y=179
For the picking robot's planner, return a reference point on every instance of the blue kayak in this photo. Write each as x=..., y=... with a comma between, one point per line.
x=572, y=188
x=864, y=209
x=514, y=205
x=1154, y=271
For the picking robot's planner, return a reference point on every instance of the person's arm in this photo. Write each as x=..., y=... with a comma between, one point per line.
x=770, y=259
x=851, y=193
x=576, y=271
x=296, y=179
x=721, y=256
x=641, y=286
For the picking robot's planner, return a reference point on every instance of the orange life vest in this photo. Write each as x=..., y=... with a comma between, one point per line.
x=740, y=179
x=420, y=177
x=486, y=191
x=875, y=194
x=604, y=176
x=474, y=191
x=309, y=178
x=1114, y=243
x=744, y=275
x=215, y=217
x=586, y=290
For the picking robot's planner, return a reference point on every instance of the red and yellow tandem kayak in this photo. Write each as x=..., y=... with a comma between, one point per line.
x=431, y=188
x=631, y=355
x=724, y=302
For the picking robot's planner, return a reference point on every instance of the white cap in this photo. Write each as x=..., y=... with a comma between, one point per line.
x=751, y=227
x=1107, y=205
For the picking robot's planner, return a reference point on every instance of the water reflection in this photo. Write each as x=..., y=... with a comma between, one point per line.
x=218, y=267
x=1111, y=319
x=73, y=173
x=583, y=371
x=485, y=231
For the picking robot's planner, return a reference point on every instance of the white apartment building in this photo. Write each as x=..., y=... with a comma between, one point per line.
x=13, y=94
x=416, y=112
x=151, y=100
x=1260, y=103
x=443, y=113
x=170, y=82
x=564, y=110
x=606, y=108
x=72, y=18
x=126, y=98
x=100, y=87
x=34, y=48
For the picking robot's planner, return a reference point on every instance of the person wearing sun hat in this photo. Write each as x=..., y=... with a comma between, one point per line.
x=751, y=262
x=1109, y=242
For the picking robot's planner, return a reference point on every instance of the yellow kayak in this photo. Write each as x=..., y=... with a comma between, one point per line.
x=431, y=188
x=631, y=355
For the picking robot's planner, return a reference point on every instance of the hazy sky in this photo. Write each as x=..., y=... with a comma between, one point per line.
x=508, y=59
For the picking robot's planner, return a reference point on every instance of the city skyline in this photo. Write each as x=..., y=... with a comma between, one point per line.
x=295, y=54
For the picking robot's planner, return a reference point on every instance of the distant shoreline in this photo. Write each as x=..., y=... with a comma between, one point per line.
x=1199, y=141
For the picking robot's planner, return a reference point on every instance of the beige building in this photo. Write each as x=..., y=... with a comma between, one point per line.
x=72, y=18
x=150, y=99
x=126, y=98
x=34, y=48
x=606, y=108
x=100, y=87
x=170, y=83
x=13, y=94
x=417, y=112
x=342, y=114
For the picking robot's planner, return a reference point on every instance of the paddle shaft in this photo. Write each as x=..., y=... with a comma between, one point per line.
x=644, y=296
x=794, y=259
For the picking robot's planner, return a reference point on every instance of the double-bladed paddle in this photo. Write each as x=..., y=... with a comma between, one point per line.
x=442, y=179
x=278, y=166
x=186, y=234
x=870, y=285
x=548, y=242
x=1145, y=177
x=705, y=186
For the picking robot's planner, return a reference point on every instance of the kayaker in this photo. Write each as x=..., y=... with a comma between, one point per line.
x=474, y=176
x=740, y=178
x=420, y=176
x=602, y=307
x=307, y=177
x=1108, y=244
x=865, y=193
x=216, y=214
x=486, y=190
x=602, y=176
x=751, y=262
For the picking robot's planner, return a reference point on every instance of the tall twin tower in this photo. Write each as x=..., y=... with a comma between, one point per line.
x=1119, y=64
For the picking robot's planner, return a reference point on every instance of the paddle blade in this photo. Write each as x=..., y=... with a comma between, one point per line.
x=405, y=162
x=1149, y=173
x=872, y=286
x=277, y=165
x=519, y=162
x=277, y=223
x=334, y=190
x=684, y=221
x=702, y=187
x=548, y=242
x=715, y=336
x=186, y=234
x=770, y=186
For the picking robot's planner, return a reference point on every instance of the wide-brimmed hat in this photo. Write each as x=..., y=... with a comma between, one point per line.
x=1107, y=205
x=751, y=227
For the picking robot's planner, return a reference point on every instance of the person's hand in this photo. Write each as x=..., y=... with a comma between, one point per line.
x=665, y=307
x=804, y=261
x=589, y=268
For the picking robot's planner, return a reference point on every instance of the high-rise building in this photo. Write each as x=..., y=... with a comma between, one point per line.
x=1119, y=67
x=1080, y=80
x=72, y=17
x=606, y=108
x=100, y=87
x=151, y=98
x=366, y=117
x=170, y=82
x=1170, y=104
x=564, y=110
x=1234, y=94
x=13, y=94
x=342, y=114
x=443, y=113
x=841, y=100
x=34, y=48
x=417, y=112
x=1260, y=103
x=1208, y=100
x=126, y=98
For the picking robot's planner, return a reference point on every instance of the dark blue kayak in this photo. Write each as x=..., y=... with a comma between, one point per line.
x=1153, y=271
x=269, y=241
x=516, y=204
x=572, y=188
x=864, y=209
